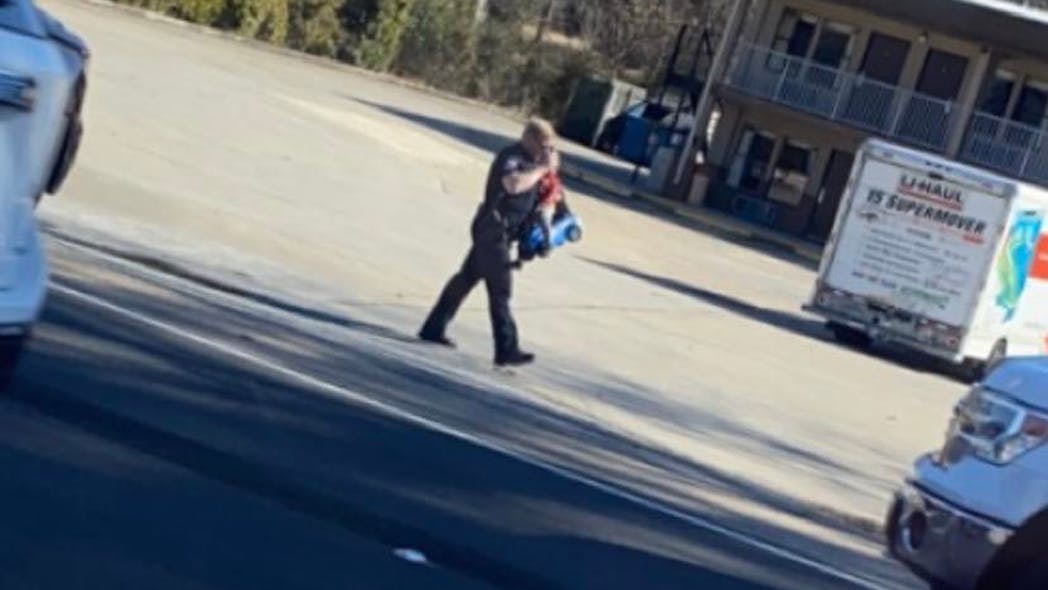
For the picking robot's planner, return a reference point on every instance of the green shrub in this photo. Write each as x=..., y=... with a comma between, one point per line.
x=314, y=27
x=436, y=43
x=266, y=20
x=381, y=43
x=198, y=11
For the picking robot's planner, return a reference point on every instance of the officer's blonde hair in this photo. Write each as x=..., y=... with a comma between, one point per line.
x=540, y=130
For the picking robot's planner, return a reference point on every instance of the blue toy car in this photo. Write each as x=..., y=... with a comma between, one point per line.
x=566, y=227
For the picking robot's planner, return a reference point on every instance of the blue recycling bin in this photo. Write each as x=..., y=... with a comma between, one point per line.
x=635, y=143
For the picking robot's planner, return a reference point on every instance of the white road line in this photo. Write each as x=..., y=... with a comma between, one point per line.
x=364, y=400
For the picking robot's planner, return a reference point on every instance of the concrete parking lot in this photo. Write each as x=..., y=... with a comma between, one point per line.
x=351, y=194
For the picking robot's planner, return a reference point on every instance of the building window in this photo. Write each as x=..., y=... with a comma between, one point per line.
x=998, y=94
x=791, y=174
x=800, y=35
x=752, y=160
x=1033, y=103
x=834, y=47
x=795, y=33
x=768, y=167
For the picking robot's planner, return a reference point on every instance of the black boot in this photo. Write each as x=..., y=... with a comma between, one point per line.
x=516, y=358
x=438, y=339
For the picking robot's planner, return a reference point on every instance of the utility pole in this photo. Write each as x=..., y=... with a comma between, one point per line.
x=717, y=69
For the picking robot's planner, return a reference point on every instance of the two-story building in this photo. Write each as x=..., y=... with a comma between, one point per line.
x=809, y=80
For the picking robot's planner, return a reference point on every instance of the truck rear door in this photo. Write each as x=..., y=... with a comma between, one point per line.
x=916, y=243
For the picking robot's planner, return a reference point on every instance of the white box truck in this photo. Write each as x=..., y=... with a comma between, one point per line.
x=937, y=256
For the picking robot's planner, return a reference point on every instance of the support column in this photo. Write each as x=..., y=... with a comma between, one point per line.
x=967, y=100
x=726, y=48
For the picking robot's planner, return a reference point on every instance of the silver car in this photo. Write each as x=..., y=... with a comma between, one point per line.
x=43, y=79
x=974, y=514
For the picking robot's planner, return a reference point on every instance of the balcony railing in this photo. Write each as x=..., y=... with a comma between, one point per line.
x=1011, y=147
x=848, y=98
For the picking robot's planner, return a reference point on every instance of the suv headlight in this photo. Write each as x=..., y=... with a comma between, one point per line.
x=993, y=428
x=1032, y=433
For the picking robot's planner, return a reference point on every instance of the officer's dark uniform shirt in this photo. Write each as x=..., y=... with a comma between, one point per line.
x=501, y=215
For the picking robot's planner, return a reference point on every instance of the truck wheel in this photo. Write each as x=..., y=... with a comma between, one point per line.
x=850, y=336
x=975, y=370
x=972, y=371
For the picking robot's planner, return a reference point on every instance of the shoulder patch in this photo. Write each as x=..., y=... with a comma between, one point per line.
x=513, y=164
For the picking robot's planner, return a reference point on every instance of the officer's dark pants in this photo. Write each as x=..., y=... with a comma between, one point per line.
x=488, y=262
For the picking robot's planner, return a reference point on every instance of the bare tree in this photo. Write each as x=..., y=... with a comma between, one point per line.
x=635, y=35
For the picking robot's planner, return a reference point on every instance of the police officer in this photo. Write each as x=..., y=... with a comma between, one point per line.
x=510, y=197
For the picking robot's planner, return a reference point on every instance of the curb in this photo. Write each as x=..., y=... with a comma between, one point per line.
x=733, y=228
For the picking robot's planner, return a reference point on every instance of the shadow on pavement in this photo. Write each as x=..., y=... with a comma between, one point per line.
x=181, y=272
x=790, y=322
x=469, y=510
x=333, y=459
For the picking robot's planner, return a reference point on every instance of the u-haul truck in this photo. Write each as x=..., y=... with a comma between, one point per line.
x=937, y=256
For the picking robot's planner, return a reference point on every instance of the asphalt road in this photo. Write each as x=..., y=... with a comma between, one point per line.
x=352, y=192
x=171, y=437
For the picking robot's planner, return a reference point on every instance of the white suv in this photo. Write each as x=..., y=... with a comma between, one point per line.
x=974, y=515
x=42, y=82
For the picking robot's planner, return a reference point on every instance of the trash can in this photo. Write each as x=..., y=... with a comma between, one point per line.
x=635, y=141
x=700, y=184
x=663, y=159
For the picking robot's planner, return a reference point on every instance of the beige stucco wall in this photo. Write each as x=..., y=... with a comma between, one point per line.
x=1023, y=66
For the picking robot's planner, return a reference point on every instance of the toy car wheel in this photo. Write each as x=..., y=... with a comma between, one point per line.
x=574, y=234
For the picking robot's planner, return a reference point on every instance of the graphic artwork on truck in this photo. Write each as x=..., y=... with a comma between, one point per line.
x=1015, y=260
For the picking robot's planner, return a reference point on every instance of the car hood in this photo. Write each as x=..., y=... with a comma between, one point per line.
x=57, y=31
x=1023, y=379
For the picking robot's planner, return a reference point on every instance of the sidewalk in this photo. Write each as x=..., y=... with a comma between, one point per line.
x=580, y=167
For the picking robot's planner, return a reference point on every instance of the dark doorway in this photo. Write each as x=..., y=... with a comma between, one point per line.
x=942, y=75
x=834, y=181
x=870, y=104
x=801, y=37
x=885, y=58
x=929, y=113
